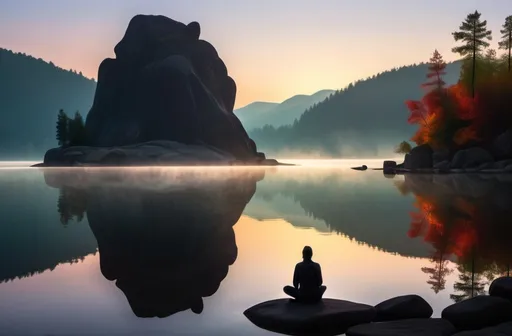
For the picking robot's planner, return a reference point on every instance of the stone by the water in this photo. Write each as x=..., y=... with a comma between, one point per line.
x=152, y=153
x=501, y=287
x=410, y=327
x=499, y=330
x=328, y=317
x=478, y=312
x=403, y=307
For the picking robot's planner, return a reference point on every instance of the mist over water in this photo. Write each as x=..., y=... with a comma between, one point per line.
x=109, y=250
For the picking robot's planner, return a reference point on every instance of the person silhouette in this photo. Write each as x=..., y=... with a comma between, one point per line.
x=307, y=280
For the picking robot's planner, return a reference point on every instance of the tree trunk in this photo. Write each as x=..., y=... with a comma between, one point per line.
x=474, y=62
x=509, y=47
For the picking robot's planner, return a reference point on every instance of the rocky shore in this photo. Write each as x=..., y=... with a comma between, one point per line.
x=492, y=159
x=407, y=315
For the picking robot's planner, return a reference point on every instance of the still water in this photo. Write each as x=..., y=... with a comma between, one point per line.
x=184, y=251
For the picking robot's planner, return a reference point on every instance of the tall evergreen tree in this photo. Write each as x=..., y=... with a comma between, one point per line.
x=77, y=130
x=473, y=34
x=436, y=68
x=506, y=38
x=62, y=128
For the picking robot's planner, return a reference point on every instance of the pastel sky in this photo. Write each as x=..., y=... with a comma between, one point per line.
x=273, y=48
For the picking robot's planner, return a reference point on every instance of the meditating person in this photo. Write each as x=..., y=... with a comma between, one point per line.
x=307, y=280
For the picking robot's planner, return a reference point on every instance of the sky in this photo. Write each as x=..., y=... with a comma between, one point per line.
x=273, y=49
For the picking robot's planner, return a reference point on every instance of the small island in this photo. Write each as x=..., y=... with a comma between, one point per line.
x=166, y=99
x=466, y=127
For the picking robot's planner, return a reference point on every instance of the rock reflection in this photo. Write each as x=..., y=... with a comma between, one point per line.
x=466, y=219
x=165, y=236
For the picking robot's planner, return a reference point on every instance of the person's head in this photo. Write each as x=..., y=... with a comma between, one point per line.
x=307, y=253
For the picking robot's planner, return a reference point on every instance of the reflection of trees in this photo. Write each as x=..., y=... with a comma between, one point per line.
x=470, y=284
x=166, y=239
x=465, y=219
x=437, y=273
x=71, y=204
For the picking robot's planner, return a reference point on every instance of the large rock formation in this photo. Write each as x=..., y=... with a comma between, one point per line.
x=166, y=84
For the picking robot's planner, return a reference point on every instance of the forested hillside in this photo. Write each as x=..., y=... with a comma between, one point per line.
x=31, y=93
x=362, y=119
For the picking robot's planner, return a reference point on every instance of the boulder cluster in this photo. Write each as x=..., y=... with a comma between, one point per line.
x=493, y=158
x=406, y=315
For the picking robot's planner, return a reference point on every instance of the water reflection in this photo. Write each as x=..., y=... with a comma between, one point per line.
x=166, y=237
x=465, y=218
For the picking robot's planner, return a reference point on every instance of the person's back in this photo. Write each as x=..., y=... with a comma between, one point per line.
x=307, y=279
x=308, y=276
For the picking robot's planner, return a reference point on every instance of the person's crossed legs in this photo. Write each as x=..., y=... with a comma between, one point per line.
x=297, y=295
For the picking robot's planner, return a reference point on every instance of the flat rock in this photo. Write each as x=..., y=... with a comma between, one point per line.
x=328, y=317
x=503, y=329
x=501, y=287
x=402, y=308
x=151, y=153
x=411, y=327
x=478, y=312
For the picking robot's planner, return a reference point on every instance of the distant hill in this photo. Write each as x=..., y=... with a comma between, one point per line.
x=259, y=114
x=31, y=93
x=364, y=119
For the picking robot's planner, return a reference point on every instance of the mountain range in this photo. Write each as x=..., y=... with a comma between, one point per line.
x=366, y=119
x=259, y=114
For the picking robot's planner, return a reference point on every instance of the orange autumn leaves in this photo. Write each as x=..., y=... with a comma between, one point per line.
x=448, y=117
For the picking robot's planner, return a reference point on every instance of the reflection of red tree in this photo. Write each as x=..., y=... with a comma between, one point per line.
x=440, y=224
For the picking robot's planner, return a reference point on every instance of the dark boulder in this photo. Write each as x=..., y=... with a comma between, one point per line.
x=411, y=327
x=471, y=158
x=503, y=329
x=440, y=156
x=153, y=153
x=328, y=317
x=502, y=145
x=402, y=308
x=501, y=287
x=389, y=167
x=166, y=84
x=478, y=312
x=420, y=157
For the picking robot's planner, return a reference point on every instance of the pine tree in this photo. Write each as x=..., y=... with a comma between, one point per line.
x=473, y=33
x=76, y=130
x=436, y=68
x=506, y=38
x=62, y=128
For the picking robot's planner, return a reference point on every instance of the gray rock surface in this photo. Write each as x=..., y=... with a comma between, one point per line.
x=419, y=157
x=501, y=287
x=478, y=312
x=504, y=329
x=166, y=84
x=402, y=308
x=152, y=153
x=411, y=327
x=471, y=158
x=329, y=317
x=502, y=145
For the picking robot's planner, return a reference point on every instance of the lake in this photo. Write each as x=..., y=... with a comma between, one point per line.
x=184, y=251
